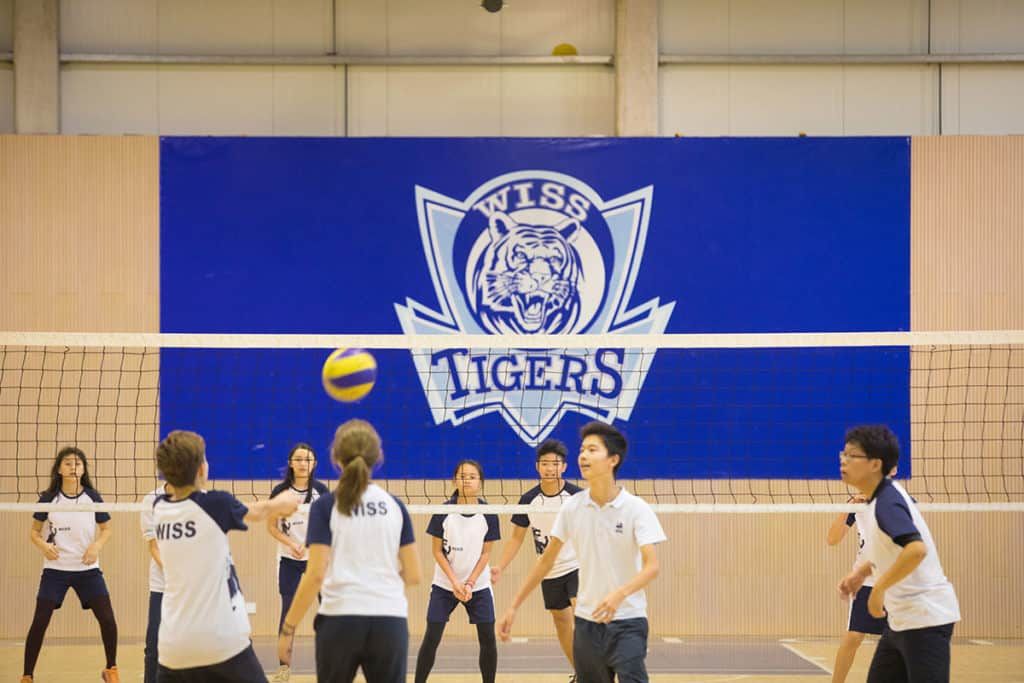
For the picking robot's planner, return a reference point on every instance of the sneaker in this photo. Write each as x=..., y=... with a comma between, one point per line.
x=110, y=675
x=572, y=678
x=282, y=675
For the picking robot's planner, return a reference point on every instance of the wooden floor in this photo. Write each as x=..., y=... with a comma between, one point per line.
x=77, y=661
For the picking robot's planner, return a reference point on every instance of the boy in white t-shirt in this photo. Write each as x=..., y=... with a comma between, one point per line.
x=615, y=534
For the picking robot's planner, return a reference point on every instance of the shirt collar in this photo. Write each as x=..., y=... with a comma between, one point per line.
x=878, y=489
x=617, y=502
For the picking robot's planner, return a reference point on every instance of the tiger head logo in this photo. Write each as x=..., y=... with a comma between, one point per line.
x=527, y=278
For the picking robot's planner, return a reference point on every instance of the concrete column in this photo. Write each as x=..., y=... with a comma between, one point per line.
x=636, y=68
x=36, y=66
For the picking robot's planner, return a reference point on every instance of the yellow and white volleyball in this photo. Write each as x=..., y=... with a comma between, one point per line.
x=349, y=374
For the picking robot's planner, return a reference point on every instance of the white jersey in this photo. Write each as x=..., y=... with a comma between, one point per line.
x=462, y=542
x=608, y=539
x=541, y=521
x=72, y=532
x=862, y=523
x=925, y=597
x=364, y=573
x=203, y=619
x=295, y=526
x=156, y=574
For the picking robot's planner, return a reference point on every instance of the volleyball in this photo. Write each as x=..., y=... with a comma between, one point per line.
x=349, y=374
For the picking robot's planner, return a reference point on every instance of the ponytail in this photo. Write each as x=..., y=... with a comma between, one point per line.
x=351, y=485
x=356, y=449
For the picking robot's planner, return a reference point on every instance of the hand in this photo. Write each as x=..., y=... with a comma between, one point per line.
x=876, y=603
x=605, y=610
x=505, y=624
x=849, y=585
x=460, y=593
x=298, y=551
x=283, y=506
x=495, y=574
x=90, y=555
x=50, y=551
x=284, y=644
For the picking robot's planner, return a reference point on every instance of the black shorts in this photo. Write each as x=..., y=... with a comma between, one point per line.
x=860, y=620
x=345, y=643
x=560, y=591
x=606, y=652
x=920, y=654
x=242, y=668
x=88, y=585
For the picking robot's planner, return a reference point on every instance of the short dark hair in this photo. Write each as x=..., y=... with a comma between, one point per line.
x=553, y=446
x=614, y=440
x=179, y=457
x=878, y=443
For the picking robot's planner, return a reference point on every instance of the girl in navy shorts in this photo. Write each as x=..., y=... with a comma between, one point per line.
x=462, y=547
x=70, y=542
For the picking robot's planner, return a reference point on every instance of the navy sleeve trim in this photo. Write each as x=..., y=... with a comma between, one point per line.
x=44, y=497
x=906, y=539
x=101, y=517
x=493, y=528
x=319, y=530
x=278, y=489
x=435, y=527
x=572, y=488
x=851, y=519
x=893, y=514
x=226, y=510
x=320, y=487
x=406, y=536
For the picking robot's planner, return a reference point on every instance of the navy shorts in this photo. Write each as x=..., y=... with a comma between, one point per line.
x=480, y=607
x=242, y=668
x=560, y=591
x=860, y=620
x=289, y=573
x=607, y=652
x=88, y=585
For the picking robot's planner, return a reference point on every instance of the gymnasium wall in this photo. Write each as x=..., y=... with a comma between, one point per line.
x=79, y=251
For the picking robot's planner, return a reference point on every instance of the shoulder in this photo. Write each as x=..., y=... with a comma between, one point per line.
x=571, y=489
x=320, y=487
x=398, y=501
x=528, y=497
x=47, y=496
x=323, y=504
x=278, y=489
x=93, y=495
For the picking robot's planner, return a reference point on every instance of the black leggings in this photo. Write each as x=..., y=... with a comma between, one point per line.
x=432, y=638
x=101, y=609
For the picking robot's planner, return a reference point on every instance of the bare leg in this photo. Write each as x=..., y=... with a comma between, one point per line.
x=844, y=656
x=563, y=619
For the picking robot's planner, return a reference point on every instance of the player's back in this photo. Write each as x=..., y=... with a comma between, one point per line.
x=203, y=618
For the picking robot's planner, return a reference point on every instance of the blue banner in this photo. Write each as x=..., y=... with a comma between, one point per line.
x=531, y=236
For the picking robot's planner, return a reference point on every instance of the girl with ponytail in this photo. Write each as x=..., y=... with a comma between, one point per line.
x=364, y=536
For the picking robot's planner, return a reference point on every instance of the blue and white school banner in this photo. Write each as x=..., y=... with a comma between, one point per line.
x=539, y=236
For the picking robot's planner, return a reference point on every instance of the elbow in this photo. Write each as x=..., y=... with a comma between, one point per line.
x=918, y=550
x=412, y=579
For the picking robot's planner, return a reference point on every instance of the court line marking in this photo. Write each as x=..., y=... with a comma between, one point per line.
x=674, y=641
x=981, y=642
x=806, y=658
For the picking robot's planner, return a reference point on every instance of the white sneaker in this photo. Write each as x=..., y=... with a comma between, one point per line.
x=282, y=675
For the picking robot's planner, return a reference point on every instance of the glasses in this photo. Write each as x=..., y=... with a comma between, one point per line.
x=303, y=460
x=843, y=455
